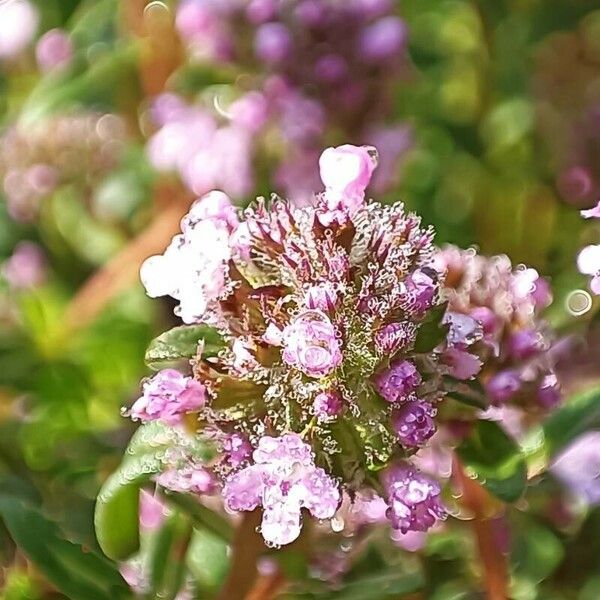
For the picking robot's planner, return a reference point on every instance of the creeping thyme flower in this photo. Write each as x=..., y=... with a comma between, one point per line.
x=588, y=263
x=283, y=480
x=168, y=396
x=494, y=319
x=413, y=498
x=320, y=310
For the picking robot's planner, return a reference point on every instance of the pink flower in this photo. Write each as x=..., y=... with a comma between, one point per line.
x=327, y=405
x=168, y=396
x=310, y=344
x=462, y=364
x=26, y=267
x=398, y=381
x=237, y=449
x=193, y=269
x=591, y=213
x=283, y=480
x=54, y=49
x=346, y=172
x=190, y=478
x=588, y=263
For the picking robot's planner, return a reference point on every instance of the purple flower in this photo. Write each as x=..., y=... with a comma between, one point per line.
x=525, y=344
x=168, y=396
x=237, y=449
x=413, y=498
x=578, y=467
x=548, y=393
x=398, y=381
x=54, y=49
x=384, y=39
x=422, y=289
x=273, y=43
x=503, y=386
x=413, y=423
x=395, y=337
x=327, y=405
x=463, y=330
x=283, y=480
x=311, y=345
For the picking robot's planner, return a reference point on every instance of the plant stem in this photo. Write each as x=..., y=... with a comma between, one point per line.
x=477, y=500
x=246, y=549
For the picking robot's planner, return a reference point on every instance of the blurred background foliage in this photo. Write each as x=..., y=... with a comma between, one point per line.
x=499, y=97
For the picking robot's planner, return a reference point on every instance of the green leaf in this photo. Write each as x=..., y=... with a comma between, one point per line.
x=390, y=585
x=470, y=392
x=536, y=551
x=208, y=559
x=76, y=572
x=495, y=459
x=579, y=414
x=202, y=516
x=180, y=344
x=117, y=507
x=432, y=331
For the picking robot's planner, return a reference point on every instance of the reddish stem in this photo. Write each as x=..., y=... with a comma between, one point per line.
x=476, y=499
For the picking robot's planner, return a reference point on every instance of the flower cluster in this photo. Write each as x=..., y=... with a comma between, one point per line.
x=494, y=317
x=310, y=67
x=65, y=149
x=326, y=375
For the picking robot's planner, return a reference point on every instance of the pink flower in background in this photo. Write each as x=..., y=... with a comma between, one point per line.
x=283, y=480
x=189, y=478
x=18, y=24
x=588, y=263
x=167, y=396
x=27, y=267
x=54, y=50
x=578, y=467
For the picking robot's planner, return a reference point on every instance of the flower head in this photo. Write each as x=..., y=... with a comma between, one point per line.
x=319, y=309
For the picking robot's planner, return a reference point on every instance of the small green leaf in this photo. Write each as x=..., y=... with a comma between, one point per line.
x=208, y=559
x=432, y=331
x=495, y=459
x=536, y=551
x=470, y=392
x=202, y=516
x=180, y=344
x=579, y=414
x=117, y=507
x=391, y=585
x=76, y=572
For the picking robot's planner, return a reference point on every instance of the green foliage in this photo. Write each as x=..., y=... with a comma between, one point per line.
x=178, y=345
x=495, y=460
